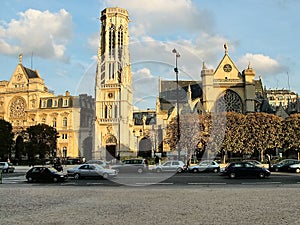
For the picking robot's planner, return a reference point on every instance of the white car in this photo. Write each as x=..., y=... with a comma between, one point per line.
x=7, y=167
x=295, y=168
x=170, y=166
x=91, y=170
x=205, y=166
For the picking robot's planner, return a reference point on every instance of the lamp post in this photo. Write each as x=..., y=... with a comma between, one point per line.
x=177, y=55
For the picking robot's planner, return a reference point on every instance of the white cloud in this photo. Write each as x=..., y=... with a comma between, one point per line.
x=145, y=88
x=166, y=17
x=43, y=33
x=262, y=64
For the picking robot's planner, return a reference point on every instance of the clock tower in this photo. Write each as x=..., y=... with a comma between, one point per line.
x=113, y=87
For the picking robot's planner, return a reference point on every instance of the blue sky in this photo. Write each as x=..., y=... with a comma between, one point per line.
x=60, y=38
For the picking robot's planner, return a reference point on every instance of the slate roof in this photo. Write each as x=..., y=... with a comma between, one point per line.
x=30, y=73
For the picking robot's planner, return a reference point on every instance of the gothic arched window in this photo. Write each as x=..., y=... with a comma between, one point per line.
x=229, y=101
x=120, y=41
x=112, y=40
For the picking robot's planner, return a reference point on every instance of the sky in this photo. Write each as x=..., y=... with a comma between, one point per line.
x=60, y=39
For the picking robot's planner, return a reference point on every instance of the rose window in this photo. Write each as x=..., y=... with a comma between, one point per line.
x=229, y=101
x=17, y=108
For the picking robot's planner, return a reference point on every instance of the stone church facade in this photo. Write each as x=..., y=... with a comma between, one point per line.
x=25, y=101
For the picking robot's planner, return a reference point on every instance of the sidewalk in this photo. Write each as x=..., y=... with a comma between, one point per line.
x=24, y=169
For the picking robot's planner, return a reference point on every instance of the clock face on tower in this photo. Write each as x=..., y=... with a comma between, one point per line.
x=110, y=95
x=227, y=68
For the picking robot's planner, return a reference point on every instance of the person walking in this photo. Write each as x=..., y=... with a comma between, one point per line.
x=156, y=160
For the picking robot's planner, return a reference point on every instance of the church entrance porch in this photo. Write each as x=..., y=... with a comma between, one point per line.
x=145, y=148
x=110, y=152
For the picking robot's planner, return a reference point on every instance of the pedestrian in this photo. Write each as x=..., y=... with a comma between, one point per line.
x=269, y=160
x=156, y=160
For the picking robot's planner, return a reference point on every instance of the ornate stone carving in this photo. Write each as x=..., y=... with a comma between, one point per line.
x=229, y=101
x=17, y=108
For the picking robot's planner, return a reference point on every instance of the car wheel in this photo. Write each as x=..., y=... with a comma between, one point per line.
x=179, y=170
x=55, y=179
x=195, y=170
x=261, y=175
x=140, y=170
x=5, y=171
x=216, y=170
x=105, y=176
x=276, y=169
x=158, y=171
x=30, y=179
x=297, y=170
x=232, y=175
x=77, y=176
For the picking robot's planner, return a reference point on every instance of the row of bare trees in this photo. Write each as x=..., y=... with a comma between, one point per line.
x=234, y=133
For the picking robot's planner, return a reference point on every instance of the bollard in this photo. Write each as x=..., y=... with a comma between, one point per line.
x=0, y=176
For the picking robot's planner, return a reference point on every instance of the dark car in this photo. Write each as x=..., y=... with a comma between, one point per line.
x=44, y=174
x=284, y=165
x=245, y=169
x=132, y=165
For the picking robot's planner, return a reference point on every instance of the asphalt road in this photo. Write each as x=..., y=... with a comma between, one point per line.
x=150, y=198
x=161, y=179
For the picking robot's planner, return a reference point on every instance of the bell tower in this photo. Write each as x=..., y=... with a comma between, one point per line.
x=113, y=87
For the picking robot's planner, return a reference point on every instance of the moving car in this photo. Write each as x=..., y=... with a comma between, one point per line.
x=136, y=165
x=255, y=162
x=7, y=167
x=245, y=169
x=205, y=166
x=284, y=165
x=170, y=166
x=295, y=168
x=43, y=173
x=91, y=170
x=99, y=162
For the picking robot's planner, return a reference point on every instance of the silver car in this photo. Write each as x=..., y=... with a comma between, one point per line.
x=91, y=170
x=7, y=167
x=205, y=166
x=170, y=166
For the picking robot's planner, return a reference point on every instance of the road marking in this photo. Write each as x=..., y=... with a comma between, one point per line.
x=94, y=183
x=207, y=183
x=154, y=183
x=263, y=183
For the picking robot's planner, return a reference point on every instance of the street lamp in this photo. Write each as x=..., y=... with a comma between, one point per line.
x=177, y=55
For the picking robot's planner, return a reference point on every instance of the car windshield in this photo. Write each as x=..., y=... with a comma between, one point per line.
x=98, y=167
x=53, y=170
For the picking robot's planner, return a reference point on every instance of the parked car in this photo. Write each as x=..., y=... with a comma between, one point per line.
x=98, y=162
x=7, y=167
x=245, y=169
x=284, y=165
x=205, y=166
x=170, y=166
x=91, y=170
x=43, y=173
x=295, y=168
x=255, y=162
x=132, y=165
